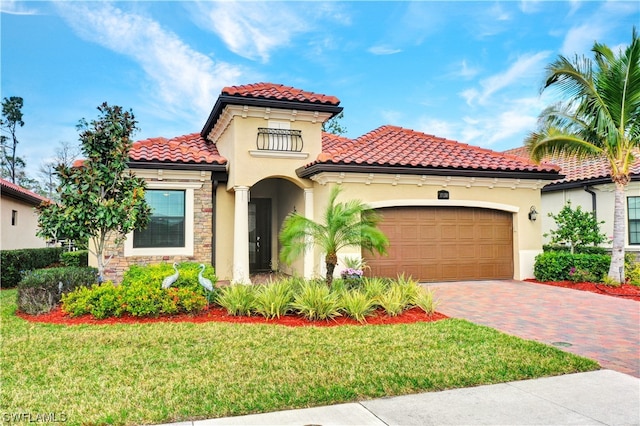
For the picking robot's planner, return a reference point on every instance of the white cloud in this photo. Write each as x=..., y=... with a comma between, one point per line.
x=507, y=127
x=579, y=40
x=522, y=70
x=465, y=71
x=185, y=80
x=383, y=50
x=13, y=7
x=440, y=128
x=251, y=29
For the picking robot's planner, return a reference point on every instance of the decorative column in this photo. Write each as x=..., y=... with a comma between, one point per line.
x=241, y=236
x=309, y=256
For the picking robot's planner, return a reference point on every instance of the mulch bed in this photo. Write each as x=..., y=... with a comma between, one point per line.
x=625, y=291
x=220, y=315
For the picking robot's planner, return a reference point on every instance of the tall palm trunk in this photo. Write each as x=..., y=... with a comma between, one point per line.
x=331, y=261
x=616, y=269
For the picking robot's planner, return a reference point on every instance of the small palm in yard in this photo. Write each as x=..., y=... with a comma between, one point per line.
x=600, y=117
x=351, y=223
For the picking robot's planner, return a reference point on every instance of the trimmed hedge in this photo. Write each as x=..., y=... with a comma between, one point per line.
x=14, y=263
x=557, y=265
x=577, y=250
x=41, y=290
x=75, y=258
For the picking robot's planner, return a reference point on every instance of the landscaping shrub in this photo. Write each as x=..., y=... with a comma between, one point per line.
x=274, y=299
x=374, y=286
x=557, y=266
x=357, y=305
x=425, y=301
x=101, y=301
x=577, y=249
x=75, y=258
x=315, y=301
x=41, y=290
x=141, y=294
x=237, y=299
x=632, y=269
x=14, y=263
x=154, y=274
x=393, y=301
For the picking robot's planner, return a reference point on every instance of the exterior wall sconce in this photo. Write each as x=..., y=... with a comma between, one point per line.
x=443, y=195
x=533, y=214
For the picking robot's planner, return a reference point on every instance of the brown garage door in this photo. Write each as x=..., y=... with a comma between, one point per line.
x=445, y=244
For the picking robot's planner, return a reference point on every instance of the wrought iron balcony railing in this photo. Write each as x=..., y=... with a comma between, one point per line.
x=279, y=140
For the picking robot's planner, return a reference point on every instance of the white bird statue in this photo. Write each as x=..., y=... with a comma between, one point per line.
x=204, y=282
x=166, y=283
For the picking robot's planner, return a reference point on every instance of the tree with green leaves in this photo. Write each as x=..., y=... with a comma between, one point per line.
x=11, y=119
x=333, y=125
x=100, y=200
x=598, y=116
x=351, y=223
x=576, y=228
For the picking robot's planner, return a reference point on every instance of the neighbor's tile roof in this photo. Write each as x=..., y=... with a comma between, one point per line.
x=24, y=194
x=279, y=92
x=191, y=148
x=397, y=146
x=578, y=170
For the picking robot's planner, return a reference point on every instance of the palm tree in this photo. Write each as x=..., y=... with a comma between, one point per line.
x=599, y=116
x=345, y=224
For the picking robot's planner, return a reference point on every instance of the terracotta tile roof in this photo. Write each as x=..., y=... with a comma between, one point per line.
x=579, y=170
x=24, y=194
x=187, y=149
x=279, y=92
x=396, y=146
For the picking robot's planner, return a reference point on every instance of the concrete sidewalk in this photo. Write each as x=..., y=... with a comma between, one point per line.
x=603, y=397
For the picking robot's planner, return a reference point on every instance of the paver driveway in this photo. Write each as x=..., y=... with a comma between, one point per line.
x=600, y=327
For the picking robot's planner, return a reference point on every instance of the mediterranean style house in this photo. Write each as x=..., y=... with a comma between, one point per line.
x=19, y=218
x=451, y=211
x=587, y=183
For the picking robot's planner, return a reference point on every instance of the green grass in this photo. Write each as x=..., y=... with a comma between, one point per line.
x=166, y=372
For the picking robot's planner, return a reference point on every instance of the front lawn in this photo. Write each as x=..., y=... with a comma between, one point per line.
x=167, y=372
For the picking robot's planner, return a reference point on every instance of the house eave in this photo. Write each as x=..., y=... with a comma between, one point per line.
x=9, y=192
x=224, y=100
x=219, y=171
x=309, y=171
x=560, y=186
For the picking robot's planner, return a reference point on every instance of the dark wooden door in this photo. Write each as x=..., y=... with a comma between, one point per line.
x=260, y=235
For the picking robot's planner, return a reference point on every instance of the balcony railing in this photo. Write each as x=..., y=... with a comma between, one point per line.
x=279, y=140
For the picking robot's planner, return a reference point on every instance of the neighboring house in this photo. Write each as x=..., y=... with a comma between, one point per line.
x=587, y=183
x=19, y=217
x=451, y=211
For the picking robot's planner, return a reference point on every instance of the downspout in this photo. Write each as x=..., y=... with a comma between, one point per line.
x=588, y=189
x=214, y=213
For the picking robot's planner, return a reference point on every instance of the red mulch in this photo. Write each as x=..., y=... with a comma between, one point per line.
x=220, y=315
x=625, y=291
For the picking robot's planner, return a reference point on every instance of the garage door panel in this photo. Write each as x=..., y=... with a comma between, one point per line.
x=445, y=244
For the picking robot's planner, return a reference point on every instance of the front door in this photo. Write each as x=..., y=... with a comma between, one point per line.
x=259, y=235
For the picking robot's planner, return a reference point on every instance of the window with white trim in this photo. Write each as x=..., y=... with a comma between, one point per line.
x=166, y=226
x=633, y=214
x=170, y=231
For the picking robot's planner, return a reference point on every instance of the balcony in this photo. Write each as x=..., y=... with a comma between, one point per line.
x=283, y=140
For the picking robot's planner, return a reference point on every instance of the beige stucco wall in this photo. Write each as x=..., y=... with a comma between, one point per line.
x=553, y=202
x=247, y=165
x=23, y=234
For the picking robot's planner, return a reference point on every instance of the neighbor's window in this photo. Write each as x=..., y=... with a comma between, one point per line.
x=633, y=206
x=14, y=217
x=167, y=223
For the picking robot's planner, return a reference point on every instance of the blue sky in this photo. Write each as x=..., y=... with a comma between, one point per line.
x=469, y=71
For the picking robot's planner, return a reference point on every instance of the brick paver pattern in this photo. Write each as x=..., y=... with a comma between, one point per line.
x=600, y=327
